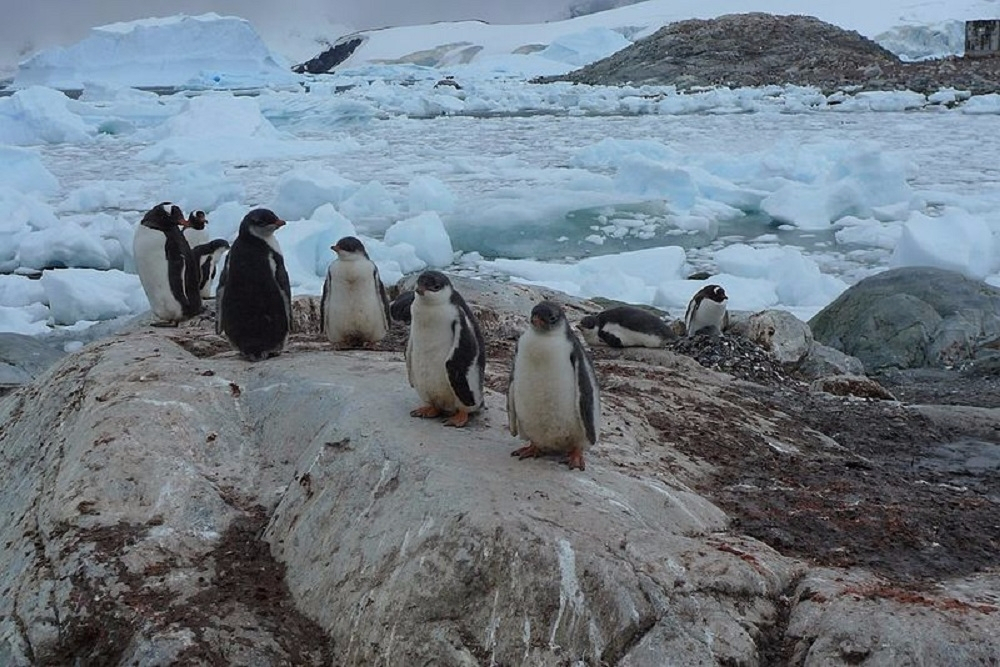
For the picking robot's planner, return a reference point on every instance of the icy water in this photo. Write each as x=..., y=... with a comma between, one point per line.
x=518, y=194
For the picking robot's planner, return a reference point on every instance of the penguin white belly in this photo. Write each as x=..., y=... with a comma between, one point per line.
x=195, y=237
x=709, y=313
x=149, y=250
x=632, y=338
x=354, y=307
x=430, y=345
x=546, y=396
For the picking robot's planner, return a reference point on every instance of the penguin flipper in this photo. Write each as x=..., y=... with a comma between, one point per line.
x=281, y=276
x=586, y=382
x=609, y=338
x=380, y=288
x=465, y=352
x=176, y=273
x=220, y=296
x=511, y=410
x=322, y=303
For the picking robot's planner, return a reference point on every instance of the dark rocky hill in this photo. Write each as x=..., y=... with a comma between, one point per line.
x=762, y=49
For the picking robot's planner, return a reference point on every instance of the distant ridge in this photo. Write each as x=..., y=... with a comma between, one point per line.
x=758, y=49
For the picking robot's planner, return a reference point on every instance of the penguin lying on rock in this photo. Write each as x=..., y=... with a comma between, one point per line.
x=445, y=353
x=254, y=297
x=553, y=399
x=625, y=326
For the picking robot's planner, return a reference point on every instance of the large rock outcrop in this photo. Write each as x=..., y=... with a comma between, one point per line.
x=758, y=49
x=912, y=317
x=167, y=503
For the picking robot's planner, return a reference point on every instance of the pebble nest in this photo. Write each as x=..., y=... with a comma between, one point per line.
x=735, y=355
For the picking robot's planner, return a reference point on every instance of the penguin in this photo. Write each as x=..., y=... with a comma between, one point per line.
x=167, y=268
x=445, y=352
x=254, y=298
x=553, y=399
x=354, y=308
x=399, y=309
x=625, y=326
x=707, y=310
x=209, y=255
x=194, y=229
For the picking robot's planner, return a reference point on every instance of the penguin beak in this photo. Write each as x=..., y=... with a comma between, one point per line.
x=279, y=223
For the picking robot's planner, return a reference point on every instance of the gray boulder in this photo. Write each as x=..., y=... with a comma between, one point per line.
x=786, y=336
x=911, y=317
x=168, y=503
x=823, y=360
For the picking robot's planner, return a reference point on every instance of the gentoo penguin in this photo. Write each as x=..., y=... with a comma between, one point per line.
x=208, y=251
x=254, y=298
x=625, y=326
x=445, y=353
x=707, y=309
x=167, y=268
x=354, y=308
x=209, y=255
x=399, y=309
x=553, y=399
x=194, y=229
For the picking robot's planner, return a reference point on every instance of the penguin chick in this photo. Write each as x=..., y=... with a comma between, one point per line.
x=208, y=255
x=400, y=306
x=553, y=399
x=254, y=297
x=167, y=268
x=354, y=308
x=445, y=353
x=707, y=310
x=625, y=326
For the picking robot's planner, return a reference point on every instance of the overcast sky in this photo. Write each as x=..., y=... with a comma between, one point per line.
x=27, y=25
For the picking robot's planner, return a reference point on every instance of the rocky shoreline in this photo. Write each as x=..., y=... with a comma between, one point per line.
x=169, y=501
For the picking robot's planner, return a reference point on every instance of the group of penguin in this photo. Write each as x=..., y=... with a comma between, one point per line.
x=553, y=397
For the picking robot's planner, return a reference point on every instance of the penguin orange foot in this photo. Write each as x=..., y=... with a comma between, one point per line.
x=529, y=451
x=459, y=419
x=425, y=412
x=575, y=460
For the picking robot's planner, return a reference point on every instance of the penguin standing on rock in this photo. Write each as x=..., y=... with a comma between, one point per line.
x=208, y=252
x=553, y=399
x=625, y=326
x=354, y=309
x=707, y=310
x=209, y=255
x=254, y=297
x=445, y=353
x=167, y=268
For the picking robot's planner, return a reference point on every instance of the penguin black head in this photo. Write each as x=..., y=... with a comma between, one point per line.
x=215, y=244
x=197, y=220
x=349, y=245
x=547, y=315
x=260, y=222
x=432, y=281
x=588, y=323
x=163, y=216
x=715, y=293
